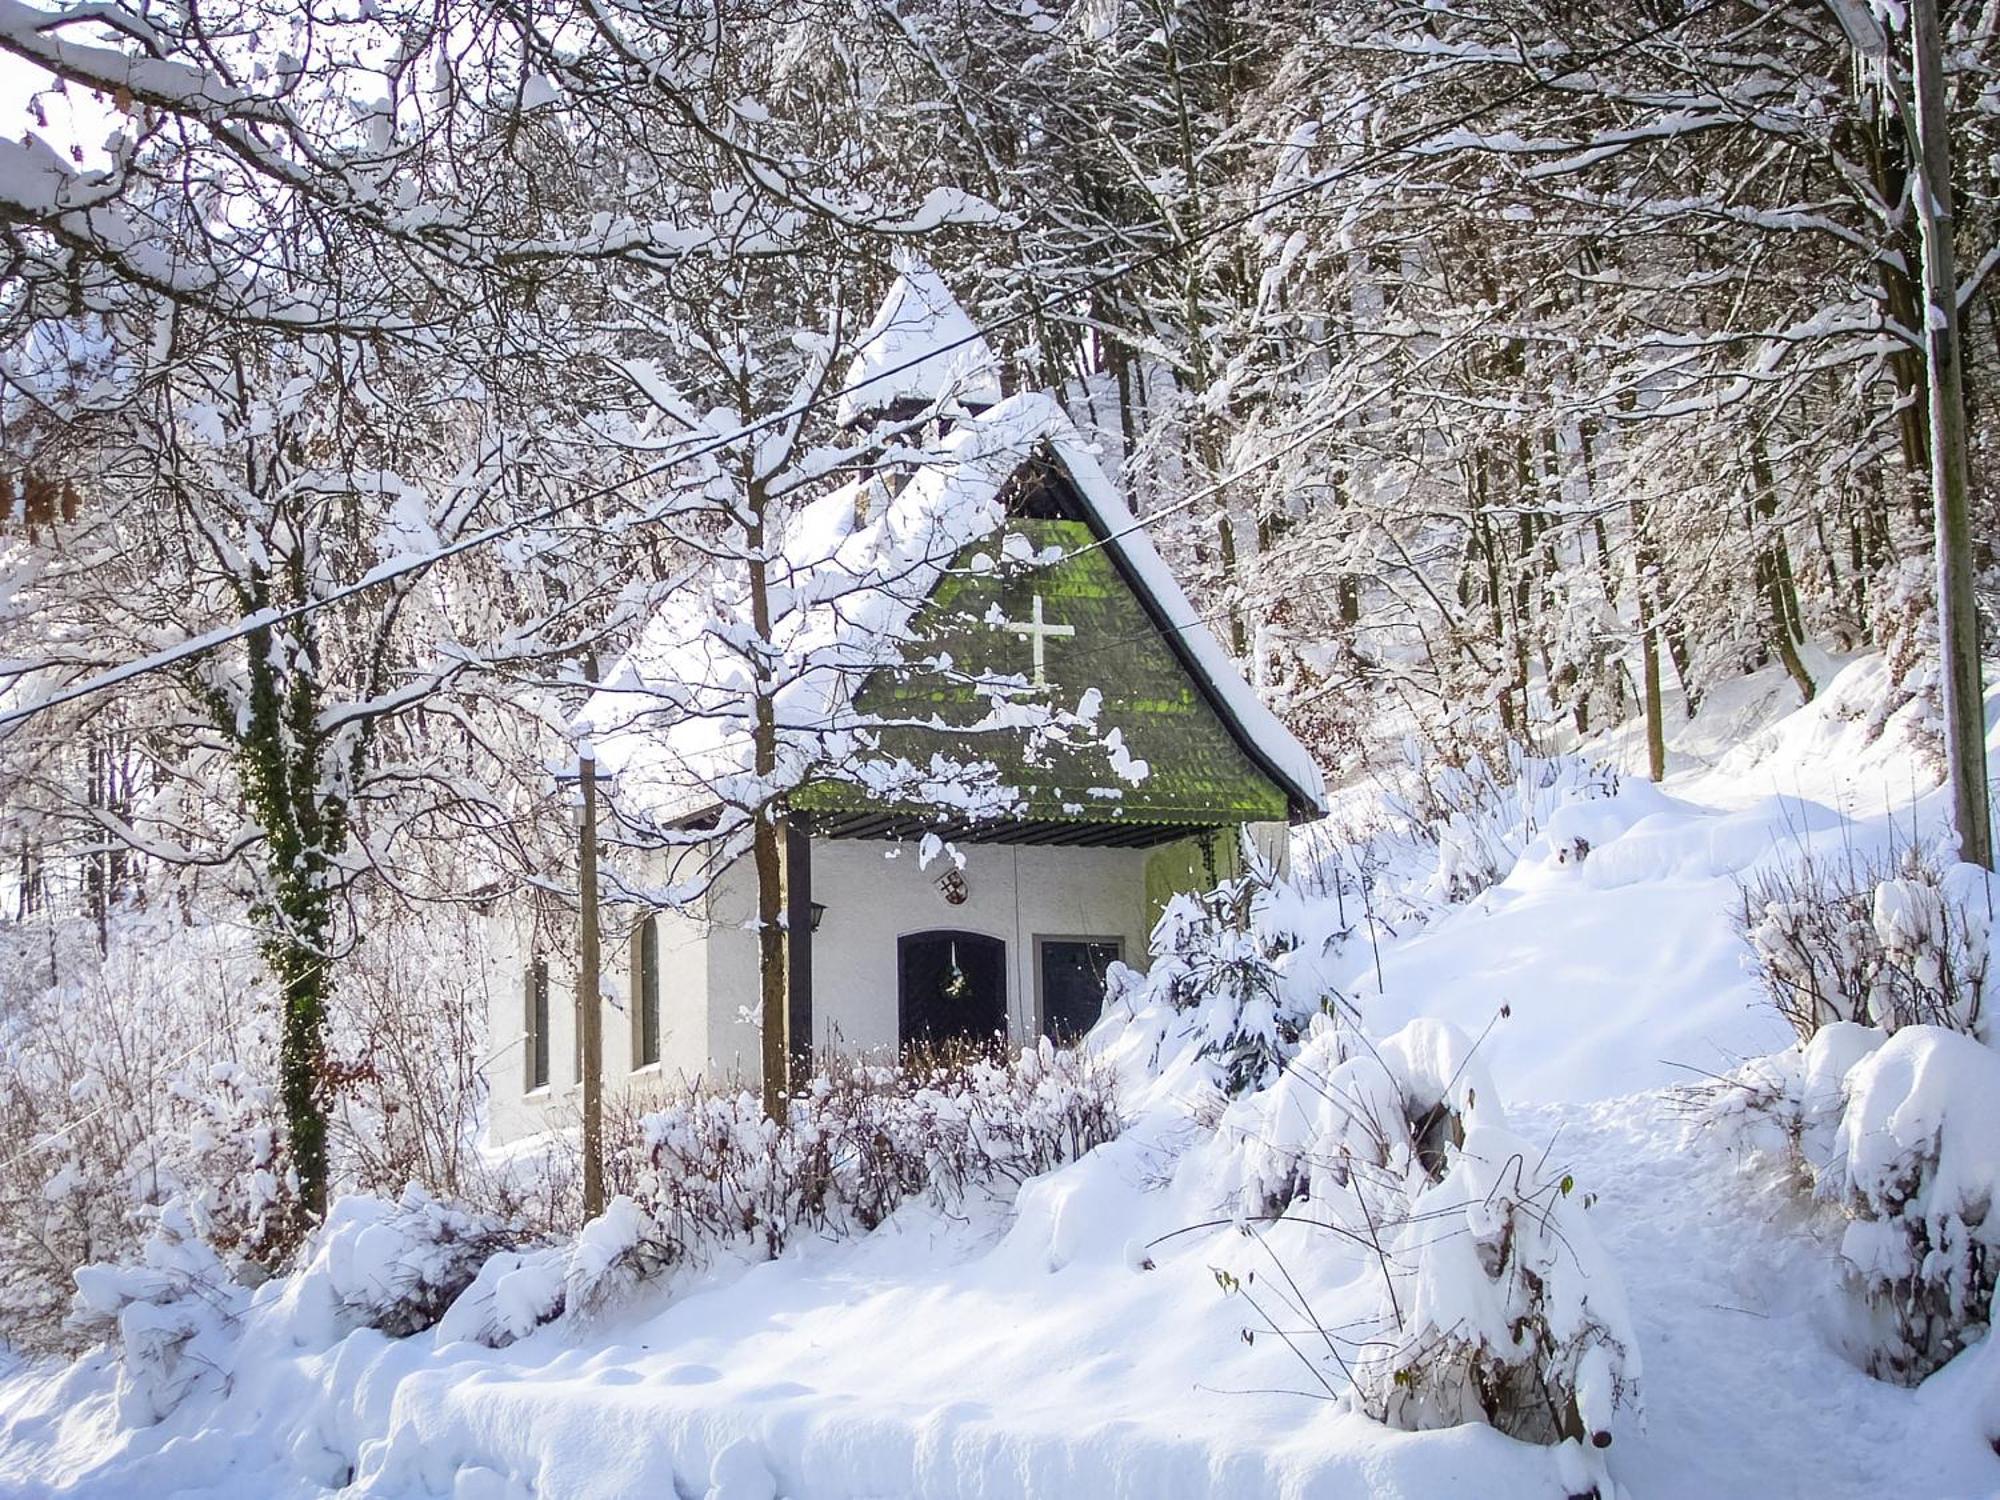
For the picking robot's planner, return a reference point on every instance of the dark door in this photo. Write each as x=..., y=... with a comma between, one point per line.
x=951, y=986
x=1073, y=971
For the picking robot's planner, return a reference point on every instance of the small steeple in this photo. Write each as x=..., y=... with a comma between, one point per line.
x=921, y=347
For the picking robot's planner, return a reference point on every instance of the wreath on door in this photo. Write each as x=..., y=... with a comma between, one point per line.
x=955, y=983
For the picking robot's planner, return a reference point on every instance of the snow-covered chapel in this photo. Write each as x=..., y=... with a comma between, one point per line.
x=1005, y=739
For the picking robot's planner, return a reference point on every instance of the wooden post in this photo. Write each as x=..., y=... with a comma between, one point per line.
x=1958, y=617
x=590, y=995
x=799, y=936
x=774, y=983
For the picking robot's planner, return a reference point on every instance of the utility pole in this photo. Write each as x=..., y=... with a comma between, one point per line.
x=1958, y=616
x=590, y=996
x=1926, y=127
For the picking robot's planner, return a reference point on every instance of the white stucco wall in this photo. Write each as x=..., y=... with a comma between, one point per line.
x=512, y=1111
x=708, y=962
x=734, y=1045
x=1018, y=893
x=686, y=954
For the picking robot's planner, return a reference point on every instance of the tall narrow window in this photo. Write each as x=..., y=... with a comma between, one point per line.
x=537, y=1047
x=646, y=994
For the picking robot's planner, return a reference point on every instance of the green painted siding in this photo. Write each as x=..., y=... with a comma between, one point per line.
x=1184, y=865
x=1197, y=771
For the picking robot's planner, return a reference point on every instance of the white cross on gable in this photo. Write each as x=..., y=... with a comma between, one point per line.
x=1038, y=631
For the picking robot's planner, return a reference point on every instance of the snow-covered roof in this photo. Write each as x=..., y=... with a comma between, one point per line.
x=921, y=348
x=671, y=722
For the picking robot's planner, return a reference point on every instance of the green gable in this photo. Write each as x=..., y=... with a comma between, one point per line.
x=1198, y=772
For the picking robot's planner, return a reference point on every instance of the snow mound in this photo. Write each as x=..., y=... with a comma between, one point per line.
x=1860, y=745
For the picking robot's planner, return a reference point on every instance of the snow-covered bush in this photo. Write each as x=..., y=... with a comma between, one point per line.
x=1813, y=946
x=1788, y=1105
x=1501, y=1308
x=229, y=1154
x=514, y=1293
x=172, y=1316
x=408, y=1047
x=617, y=1254
x=395, y=1266
x=146, y=1073
x=1888, y=943
x=1352, y=1121
x=1480, y=813
x=537, y=1183
x=863, y=1138
x=1935, y=928
x=1915, y=1166
x=1496, y=1304
x=1895, y=1134
x=130, y=1083
x=1213, y=959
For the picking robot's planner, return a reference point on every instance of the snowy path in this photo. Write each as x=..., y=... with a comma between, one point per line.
x=1746, y=1394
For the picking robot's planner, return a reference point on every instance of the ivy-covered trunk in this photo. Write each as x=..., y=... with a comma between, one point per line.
x=295, y=792
x=305, y=981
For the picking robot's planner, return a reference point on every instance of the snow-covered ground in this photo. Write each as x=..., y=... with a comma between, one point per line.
x=1076, y=1343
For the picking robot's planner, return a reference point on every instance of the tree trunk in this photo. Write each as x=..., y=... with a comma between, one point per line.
x=1225, y=535
x=282, y=756
x=1649, y=650
x=1774, y=571
x=767, y=836
x=305, y=979
x=1899, y=304
x=1490, y=585
x=1679, y=654
x=1781, y=638
x=1121, y=368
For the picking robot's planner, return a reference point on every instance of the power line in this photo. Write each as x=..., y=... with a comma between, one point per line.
x=392, y=572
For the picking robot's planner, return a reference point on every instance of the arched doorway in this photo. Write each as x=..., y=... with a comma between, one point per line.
x=950, y=986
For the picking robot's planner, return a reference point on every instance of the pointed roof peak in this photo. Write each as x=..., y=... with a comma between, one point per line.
x=921, y=347
x=663, y=723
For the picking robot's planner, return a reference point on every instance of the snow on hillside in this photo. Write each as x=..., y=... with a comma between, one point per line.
x=1079, y=1341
